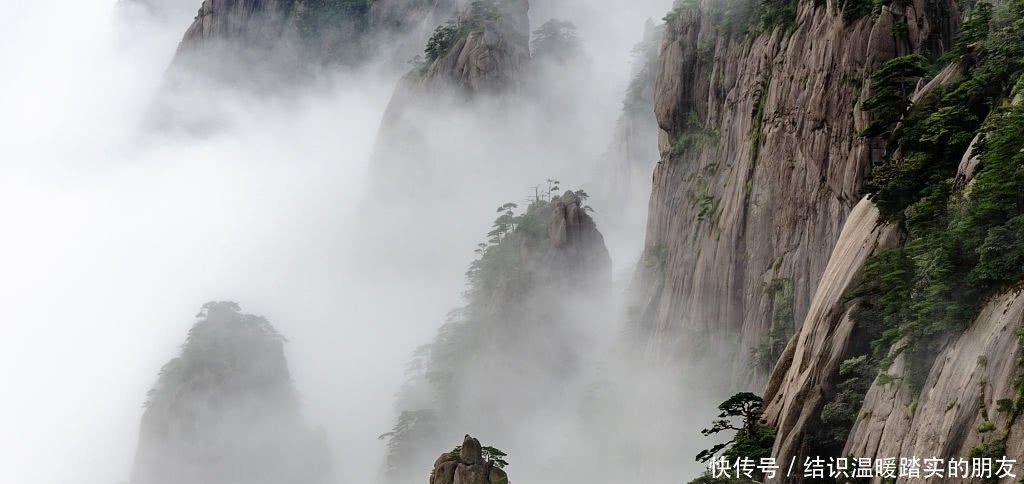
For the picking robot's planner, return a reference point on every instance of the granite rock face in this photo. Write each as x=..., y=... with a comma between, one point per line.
x=803, y=380
x=760, y=167
x=226, y=19
x=958, y=408
x=967, y=400
x=239, y=41
x=490, y=50
x=468, y=467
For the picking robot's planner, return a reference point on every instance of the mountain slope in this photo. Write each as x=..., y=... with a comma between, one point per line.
x=225, y=411
x=519, y=343
x=760, y=165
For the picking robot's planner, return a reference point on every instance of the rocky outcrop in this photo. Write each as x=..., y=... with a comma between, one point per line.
x=467, y=466
x=970, y=400
x=803, y=380
x=574, y=246
x=950, y=391
x=225, y=412
x=760, y=166
x=543, y=280
x=240, y=41
x=246, y=40
x=482, y=53
x=489, y=49
x=960, y=407
x=236, y=19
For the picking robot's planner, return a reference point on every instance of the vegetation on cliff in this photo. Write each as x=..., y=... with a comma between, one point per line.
x=470, y=463
x=460, y=27
x=752, y=441
x=743, y=17
x=963, y=240
x=951, y=180
x=516, y=327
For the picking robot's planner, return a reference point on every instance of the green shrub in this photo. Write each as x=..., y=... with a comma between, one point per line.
x=891, y=87
x=491, y=454
x=993, y=449
x=441, y=41
x=961, y=246
x=855, y=9
x=445, y=35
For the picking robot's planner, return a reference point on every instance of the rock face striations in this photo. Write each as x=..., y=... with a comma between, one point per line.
x=904, y=305
x=484, y=50
x=803, y=381
x=225, y=412
x=760, y=166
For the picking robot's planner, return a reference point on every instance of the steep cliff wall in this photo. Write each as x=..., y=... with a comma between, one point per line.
x=967, y=402
x=241, y=42
x=236, y=19
x=225, y=412
x=921, y=357
x=760, y=166
x=794, y=396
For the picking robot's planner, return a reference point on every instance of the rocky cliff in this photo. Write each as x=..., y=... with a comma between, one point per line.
x=467, y=465
x=484, y=49
x=224, y=411
x=910, y=345
x=761, y=163
x=804, y=379
x=458, y=126
x=515, y=347
x=243, y=40
x=967, y=404
x=480, y=54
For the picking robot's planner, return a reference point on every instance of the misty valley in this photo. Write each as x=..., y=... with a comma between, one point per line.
x=510, y=241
